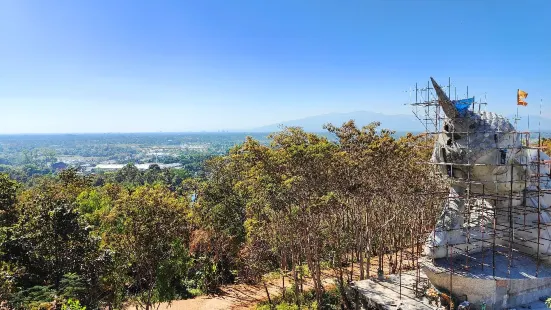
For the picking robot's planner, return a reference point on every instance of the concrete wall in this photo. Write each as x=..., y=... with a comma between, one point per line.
x=496, y=293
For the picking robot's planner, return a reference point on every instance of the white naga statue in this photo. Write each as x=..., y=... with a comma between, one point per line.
x=493, y=179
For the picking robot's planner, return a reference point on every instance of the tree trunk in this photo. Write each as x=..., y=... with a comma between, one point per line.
x=351, y=277
x=283, y=275
x=319, y=292
x=368, y=255
x=295, y=279
x=268, y=294
x=361, y=263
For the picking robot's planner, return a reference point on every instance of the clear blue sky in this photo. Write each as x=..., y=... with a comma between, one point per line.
x=125, y=66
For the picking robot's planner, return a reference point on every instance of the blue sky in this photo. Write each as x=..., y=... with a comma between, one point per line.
x=146, y=66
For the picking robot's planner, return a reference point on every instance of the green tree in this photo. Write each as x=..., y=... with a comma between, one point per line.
x=152, y=174
x=130, y=175
x=147, y=230
x=52, y=241
x=8, y=217
x=218, y=218
x=546, y=144
x=8, y=191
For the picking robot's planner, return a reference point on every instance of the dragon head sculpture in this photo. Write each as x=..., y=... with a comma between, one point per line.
x=478, y=147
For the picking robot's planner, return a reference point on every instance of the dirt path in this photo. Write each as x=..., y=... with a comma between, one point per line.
x=245, y=297
x=237, y=296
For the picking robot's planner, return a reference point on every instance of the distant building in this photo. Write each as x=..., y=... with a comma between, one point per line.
x=113, y=167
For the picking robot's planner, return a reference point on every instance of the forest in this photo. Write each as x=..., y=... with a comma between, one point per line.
x=298, y=205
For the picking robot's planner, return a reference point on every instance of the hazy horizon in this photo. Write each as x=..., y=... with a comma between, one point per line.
x=223, y=130
x=300, y=122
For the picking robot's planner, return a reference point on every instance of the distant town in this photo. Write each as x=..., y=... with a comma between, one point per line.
x=25, y=156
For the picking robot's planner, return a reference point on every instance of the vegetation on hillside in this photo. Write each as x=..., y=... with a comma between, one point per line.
x=297, y=206
x=546, y=144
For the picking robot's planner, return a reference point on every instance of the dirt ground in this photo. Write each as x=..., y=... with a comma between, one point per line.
x=243, y=296
x=237, y=296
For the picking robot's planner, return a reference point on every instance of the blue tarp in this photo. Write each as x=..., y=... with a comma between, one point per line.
x=463, y=105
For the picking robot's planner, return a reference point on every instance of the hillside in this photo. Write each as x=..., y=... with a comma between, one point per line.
x=399, y=122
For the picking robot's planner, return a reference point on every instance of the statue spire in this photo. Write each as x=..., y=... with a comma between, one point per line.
x=444, y=101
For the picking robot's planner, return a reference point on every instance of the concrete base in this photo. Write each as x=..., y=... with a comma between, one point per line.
x=385, y=295
x=388, y=294
x=505, y=286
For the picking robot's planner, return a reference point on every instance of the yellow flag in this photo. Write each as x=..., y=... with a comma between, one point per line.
x=521, y=95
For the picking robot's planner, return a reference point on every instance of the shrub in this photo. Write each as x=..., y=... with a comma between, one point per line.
x=72, y=304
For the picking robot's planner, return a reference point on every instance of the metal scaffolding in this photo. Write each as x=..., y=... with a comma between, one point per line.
x=511, y=228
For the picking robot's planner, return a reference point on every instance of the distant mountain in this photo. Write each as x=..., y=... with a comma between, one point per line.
x=399, y=122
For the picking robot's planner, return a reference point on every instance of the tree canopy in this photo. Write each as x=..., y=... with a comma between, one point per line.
x=299, y=205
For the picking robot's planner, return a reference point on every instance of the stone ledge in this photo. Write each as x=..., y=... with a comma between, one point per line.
x=385, y=294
